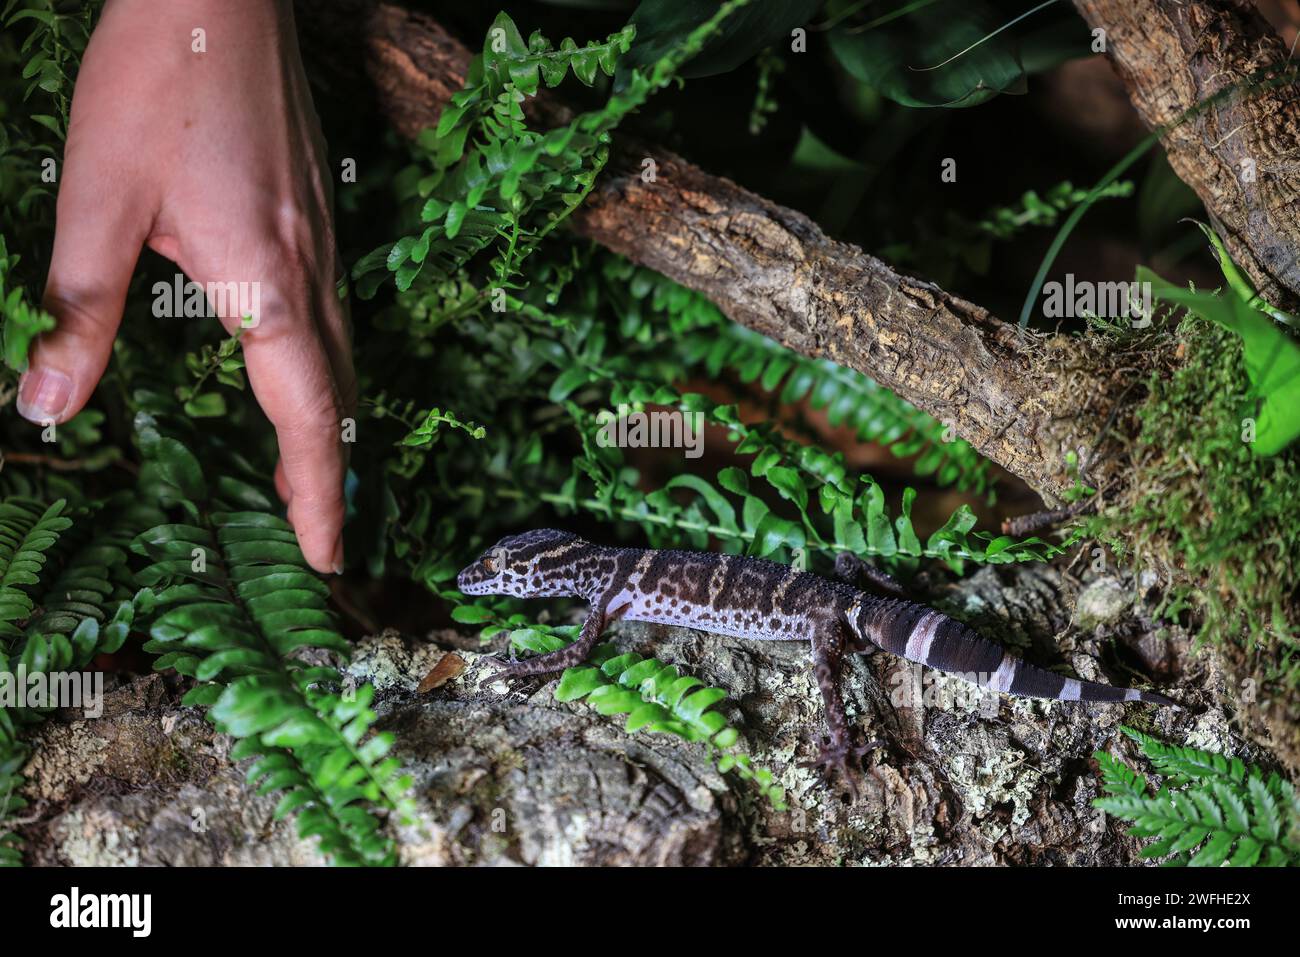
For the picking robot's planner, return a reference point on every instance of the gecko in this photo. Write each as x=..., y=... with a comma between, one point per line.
x=754, y=598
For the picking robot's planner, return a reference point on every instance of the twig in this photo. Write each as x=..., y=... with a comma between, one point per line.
x=62, y=465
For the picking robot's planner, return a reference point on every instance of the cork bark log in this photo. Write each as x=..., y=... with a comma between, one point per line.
x=1242, y=155
x=1023, y=399
x=501, y=779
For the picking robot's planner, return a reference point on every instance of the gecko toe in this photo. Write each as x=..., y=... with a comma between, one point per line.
x=525, y=686
x=874, y=744
x=841, y=762
x=507, y=672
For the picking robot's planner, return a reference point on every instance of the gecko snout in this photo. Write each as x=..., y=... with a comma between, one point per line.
x=470, y=580
x=482, y=576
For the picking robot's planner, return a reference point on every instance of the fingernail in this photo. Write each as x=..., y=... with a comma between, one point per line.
x=338, y=556
x=43, y=395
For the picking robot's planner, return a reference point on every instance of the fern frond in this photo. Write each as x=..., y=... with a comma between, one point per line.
x=231, y=602
x=853, y=515
x=27, y=532
x=93, y=578
x=1181, y=765
x=654, y=695
x=495, y=182
x=1208, y=810
x=315, y=755
x=20, y=321
x=848, y=398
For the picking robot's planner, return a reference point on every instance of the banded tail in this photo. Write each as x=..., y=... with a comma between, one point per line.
x=933, y=639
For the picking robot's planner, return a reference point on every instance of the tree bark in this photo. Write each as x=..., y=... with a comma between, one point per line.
x=1023, y=399
x=1241, y=156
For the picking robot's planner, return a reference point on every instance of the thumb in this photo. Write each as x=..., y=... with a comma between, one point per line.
x=96, y=245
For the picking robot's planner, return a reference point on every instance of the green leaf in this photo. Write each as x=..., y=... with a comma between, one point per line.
x=471, y=614
x=1271, y=355
x=22, y=322
x=935, y=56
x=568, y=381
x=724, y=513
x=578, y=683
x=49, y=122
x=455, y=219
x=788, y=482
x=662, y=25
x=205, y=406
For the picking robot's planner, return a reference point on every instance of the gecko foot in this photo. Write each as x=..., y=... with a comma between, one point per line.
x=523, y=684
x=842, y=760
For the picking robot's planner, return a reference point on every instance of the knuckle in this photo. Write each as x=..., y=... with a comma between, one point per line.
x=304, y=236
x=313, y=421
x=75, y=310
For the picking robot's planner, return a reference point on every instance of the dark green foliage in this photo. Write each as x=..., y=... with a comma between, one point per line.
x=950, y=53
x=40, y=47
x=1270, y=352
x=661, y=23
x=49, y=622
x=51, y=52
x=1229, y=521
x=1207, y=809
x=229, y=600
x=22, y=321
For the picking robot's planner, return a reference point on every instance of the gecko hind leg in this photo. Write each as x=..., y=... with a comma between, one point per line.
x=838, y=756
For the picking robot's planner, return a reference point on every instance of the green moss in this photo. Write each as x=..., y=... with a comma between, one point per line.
x=1221, y=523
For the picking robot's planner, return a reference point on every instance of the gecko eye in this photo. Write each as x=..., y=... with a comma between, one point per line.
x=490, y=564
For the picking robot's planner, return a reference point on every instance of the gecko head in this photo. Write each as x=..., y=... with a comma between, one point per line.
x=517, y=565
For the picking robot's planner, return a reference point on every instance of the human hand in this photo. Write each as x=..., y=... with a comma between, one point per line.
x=215, y=160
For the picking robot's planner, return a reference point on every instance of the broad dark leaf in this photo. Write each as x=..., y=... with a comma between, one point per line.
x=663, y=24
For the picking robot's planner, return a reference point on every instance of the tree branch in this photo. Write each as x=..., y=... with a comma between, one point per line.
x=1023, y=399
x=1241, y=156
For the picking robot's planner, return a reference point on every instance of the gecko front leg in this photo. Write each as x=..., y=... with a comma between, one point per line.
x=518, y=675
x=838, y=754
